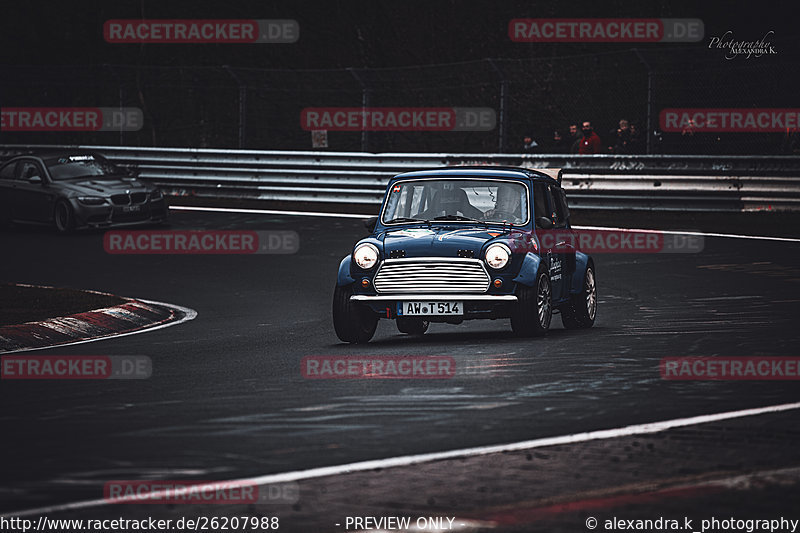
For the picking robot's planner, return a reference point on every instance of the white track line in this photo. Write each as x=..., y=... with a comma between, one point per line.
x=355, y=215
x=698, y=233
x=188, y=314
x=408, y=460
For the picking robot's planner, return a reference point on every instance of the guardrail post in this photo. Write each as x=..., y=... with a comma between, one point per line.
x=242, y=104
x=502, y=129
x=365, y=98
x=121, y=102
x=650, y=131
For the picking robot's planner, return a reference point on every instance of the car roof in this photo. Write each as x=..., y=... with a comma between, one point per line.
x=485, y=171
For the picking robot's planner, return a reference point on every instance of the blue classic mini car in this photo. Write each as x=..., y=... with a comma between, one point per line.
x=461, y=243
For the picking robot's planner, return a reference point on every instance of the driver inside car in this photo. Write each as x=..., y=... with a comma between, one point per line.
x=448, y=199
x=506, y=207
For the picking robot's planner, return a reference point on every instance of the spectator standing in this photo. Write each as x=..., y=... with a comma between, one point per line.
x=590, y=143
x=622, y=137
x=529, y=146
x=561, y=143
x=574, y=139
x=688, y=142
x=636, y=145
x=791, y=142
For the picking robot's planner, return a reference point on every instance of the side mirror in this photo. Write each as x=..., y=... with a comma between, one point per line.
x=35, y=180
x=544, y=223
x=370, y=223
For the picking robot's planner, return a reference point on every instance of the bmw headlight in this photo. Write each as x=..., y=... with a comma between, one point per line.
x=91, y=200
x=156, y=194
x=497, y=255
x=366, y=255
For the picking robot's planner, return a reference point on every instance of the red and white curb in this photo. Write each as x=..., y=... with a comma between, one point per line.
x=133, y=316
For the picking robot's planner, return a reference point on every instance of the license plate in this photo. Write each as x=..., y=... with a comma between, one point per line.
x=430, y=308
x=131, y=208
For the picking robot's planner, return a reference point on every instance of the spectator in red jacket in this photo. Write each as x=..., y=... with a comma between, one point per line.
x=590, y=143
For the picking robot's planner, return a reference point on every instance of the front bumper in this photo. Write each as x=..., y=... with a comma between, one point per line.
x=106, y=215
x=434, y=297
x=476, y=306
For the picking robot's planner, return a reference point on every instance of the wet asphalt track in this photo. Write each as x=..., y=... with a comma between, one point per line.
x=227, y=399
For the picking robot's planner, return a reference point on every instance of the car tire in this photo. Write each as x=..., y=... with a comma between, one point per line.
x=63, y=217
x=534, y=308
x=412, y=326
x=353, y=323
x=581, y=310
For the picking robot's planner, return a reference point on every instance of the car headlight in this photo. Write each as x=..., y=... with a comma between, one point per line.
x=91, y=200
x=366, y=255
x=497, y=255
x=156, y=194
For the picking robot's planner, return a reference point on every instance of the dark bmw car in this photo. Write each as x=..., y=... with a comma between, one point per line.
x=463, y=243
x=75, y=189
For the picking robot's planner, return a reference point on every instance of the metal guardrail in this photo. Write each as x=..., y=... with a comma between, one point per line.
x=679, y=183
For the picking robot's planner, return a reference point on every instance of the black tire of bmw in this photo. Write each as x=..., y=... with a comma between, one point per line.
x=575, y=315
x=412, y=326
x=525, y=320
x=352, y=322
x=69, y=225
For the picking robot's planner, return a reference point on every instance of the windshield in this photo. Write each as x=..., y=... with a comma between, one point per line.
x=484, y=200
x=81, y=166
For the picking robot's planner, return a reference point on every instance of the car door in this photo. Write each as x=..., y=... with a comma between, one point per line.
x=557, y=247
x=543, y=208
x=32, y=200
x=564, y=244
x=6, y=189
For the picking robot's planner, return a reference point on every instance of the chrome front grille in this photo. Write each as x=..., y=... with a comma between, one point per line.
x=432, y=275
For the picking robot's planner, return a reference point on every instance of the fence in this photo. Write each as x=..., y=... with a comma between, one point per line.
x=250, y=108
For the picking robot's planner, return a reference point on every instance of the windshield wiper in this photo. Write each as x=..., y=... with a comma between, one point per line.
x=405, y=219
x=459, y=217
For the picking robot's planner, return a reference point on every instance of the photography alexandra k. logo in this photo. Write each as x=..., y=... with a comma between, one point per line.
x=746, y=49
